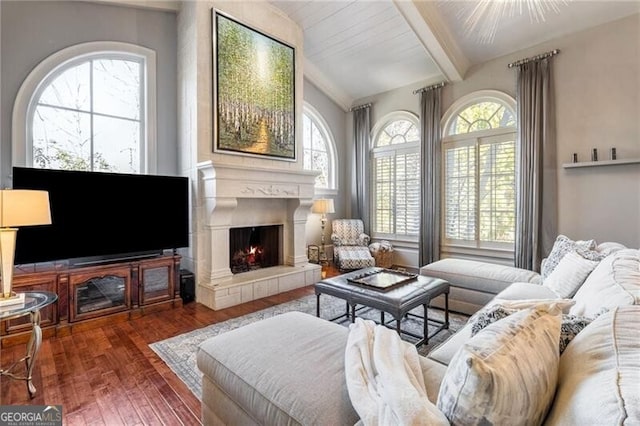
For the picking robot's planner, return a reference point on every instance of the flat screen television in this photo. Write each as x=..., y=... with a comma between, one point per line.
x=98, y=216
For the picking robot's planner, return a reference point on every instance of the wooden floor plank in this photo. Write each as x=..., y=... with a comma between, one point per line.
x=110, y=376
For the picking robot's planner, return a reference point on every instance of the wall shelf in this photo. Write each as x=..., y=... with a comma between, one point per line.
x=601, y=163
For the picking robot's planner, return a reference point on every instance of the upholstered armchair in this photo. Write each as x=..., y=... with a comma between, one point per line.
x=350, y=245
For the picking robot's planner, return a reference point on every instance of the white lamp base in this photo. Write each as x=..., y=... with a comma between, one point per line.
x=14, y=299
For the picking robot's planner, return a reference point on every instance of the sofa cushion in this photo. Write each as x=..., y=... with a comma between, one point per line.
x=562, y=246
x=480, y=276
x=505, y=374
x=614, y=282
x=569, y=274
x=293, y=375
x=599, y=373
x=521, y=291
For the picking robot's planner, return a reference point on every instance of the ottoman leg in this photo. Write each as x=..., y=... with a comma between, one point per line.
x=425, y=324
x=446, y=310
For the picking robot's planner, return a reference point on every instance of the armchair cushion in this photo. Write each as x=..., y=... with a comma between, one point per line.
x=349, y=232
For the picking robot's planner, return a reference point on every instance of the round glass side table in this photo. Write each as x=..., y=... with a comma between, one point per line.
x=34, y=301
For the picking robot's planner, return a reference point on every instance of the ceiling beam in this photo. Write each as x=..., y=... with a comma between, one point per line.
x=164, y=5
x=337, y=95
x=425, y=20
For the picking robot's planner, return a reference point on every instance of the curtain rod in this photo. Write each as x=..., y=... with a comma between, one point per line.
x=534, y=58
x=360, y=107
x=433, y=86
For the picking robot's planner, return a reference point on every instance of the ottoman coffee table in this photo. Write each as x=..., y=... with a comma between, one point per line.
x=389, y=291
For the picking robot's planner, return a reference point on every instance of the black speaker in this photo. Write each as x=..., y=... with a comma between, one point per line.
x=187, y=286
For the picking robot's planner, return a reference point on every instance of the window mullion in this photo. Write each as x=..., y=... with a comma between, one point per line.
x=477, y=197
x=394, y=193
x=91, y=109
x=142, y=69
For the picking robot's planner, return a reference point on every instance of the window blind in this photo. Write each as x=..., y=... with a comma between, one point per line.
x=397, y=194
x=479, y=193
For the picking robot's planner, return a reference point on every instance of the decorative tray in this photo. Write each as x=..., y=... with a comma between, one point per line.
x=383, y=279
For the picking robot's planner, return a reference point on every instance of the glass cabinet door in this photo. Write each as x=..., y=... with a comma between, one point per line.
x=94, y=295
x=156, y=282
x=100, y=293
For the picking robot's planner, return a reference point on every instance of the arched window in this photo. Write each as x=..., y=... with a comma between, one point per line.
x=478, y=158
x=396, y=177
x=89, y=107
x=319, y=149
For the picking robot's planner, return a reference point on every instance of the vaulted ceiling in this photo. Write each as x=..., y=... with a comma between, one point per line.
x=358, y=48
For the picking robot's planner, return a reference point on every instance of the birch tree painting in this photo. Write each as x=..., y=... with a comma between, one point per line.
x=255, y=91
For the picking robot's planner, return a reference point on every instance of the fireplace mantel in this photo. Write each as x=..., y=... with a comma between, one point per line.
x=223, y=185
x=233, y=181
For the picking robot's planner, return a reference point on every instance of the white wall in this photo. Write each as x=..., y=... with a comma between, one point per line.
x=597, y=84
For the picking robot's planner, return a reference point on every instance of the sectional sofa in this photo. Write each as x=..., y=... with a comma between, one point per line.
x=295, y=371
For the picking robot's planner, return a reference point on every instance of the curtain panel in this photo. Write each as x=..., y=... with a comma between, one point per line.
x=360, y=208
x=430, y=153
x=536, y=204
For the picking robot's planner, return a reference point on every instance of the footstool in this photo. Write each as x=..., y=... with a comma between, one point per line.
x=355, y=257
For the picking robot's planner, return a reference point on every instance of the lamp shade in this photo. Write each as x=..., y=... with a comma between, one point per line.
x=21, y=207
x=323, y=206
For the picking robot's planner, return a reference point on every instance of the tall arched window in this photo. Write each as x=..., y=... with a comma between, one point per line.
x=89, y=107
x=478, y=157
x=319, y=149
x=396, y=177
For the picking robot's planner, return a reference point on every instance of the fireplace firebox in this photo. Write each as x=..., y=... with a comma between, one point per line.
x=254, y=247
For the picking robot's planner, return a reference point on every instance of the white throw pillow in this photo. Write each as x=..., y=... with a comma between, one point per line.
x=569, y=274
x=562, y=246
x=506, y=374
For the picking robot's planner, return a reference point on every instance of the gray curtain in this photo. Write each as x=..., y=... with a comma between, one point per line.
x=359, y=190
x=536, y=205
x=430, y=148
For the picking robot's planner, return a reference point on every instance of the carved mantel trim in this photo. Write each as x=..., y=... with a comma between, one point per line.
x=232, y=181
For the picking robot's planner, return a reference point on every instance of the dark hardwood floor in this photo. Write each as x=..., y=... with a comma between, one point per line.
x=110, y=376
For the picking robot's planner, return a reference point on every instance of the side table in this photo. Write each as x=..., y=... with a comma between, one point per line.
x=34, y=301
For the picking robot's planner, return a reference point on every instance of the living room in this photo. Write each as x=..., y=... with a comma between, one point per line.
x=597, y=105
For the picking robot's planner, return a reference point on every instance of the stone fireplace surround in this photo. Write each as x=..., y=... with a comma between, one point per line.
x=233, y=195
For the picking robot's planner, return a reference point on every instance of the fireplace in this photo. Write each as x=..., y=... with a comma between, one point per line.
x=254, y=247
x=249, y=195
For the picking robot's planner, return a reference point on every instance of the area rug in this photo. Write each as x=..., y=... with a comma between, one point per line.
x=179, y=352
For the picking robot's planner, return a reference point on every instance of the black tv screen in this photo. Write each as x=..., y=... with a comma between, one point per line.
x=96, y=214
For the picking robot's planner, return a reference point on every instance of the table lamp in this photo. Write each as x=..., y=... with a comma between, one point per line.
x=18, y=207
x=323, y=206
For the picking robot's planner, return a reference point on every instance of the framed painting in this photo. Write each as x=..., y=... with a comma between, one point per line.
x=254, y=91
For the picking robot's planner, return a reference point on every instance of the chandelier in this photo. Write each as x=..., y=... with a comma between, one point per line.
x=481, y=18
